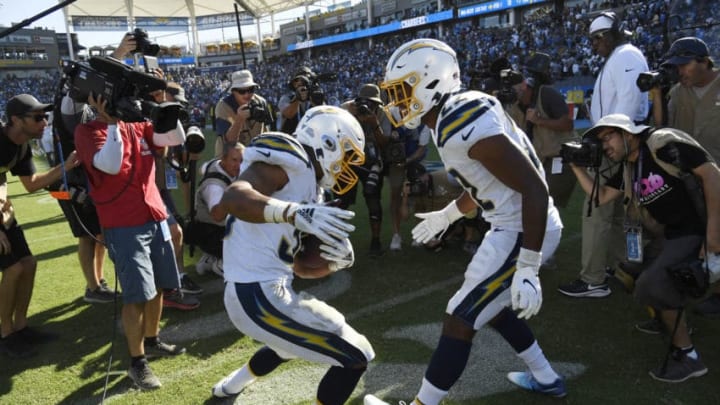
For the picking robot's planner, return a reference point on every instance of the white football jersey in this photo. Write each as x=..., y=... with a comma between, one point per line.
x=465, y=119
x=261, y=252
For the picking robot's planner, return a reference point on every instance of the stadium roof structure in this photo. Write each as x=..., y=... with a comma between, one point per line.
x=180, y=8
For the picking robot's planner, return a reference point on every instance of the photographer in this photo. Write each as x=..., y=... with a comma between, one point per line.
x=242, y=115
x=120, y=165
x=541, y=111
x=693, y=108
x=366, y=109
x=305, y=94
x=667, y=177
x=208, y=228
x=27, y=120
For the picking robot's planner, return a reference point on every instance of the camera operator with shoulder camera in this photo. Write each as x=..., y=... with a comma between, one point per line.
x=80, y=210
x=693, y=107
x=366, y=109
x=541, y=111
x=119, y=161
x=667, y=177
x=27, y=119
x=243, y=114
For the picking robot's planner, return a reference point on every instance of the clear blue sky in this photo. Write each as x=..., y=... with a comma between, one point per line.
x=15, y=11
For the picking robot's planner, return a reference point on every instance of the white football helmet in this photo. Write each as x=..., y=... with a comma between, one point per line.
x=337, y=141
x=418, y=74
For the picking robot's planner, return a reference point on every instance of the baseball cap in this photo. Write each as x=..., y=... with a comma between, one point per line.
x=619, y=121
x=25, y=103
x=685, y=50
x=370, y=92
x=177, y=92
x=242, y=79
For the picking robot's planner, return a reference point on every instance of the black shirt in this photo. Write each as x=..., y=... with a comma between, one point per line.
x=665, y=196
x=8, y=150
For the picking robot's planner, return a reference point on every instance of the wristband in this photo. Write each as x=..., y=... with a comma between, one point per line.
x=275, y=211
x=529, y=258
x=452, y=212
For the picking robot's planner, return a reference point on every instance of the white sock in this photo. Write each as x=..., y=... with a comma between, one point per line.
x=429, y=394
x=538, y=364
x=239, y=379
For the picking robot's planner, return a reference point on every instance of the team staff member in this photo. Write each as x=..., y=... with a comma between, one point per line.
x=615, y=92
x=647, y=181
x=27, y=120
x=118, y=159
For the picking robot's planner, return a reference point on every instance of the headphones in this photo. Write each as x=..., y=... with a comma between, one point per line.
x=617, y=27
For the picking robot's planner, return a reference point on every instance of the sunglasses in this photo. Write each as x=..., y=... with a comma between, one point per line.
x=245, y=91
x=38, y=117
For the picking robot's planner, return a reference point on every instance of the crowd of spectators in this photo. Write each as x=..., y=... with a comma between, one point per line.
x=563, y=35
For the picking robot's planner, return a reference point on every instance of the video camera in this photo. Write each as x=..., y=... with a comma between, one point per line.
x=123, y=88
x=313, y=80
x=587, y=153
x=664, y=77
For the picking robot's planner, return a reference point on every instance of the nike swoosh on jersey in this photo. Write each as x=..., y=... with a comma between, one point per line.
x=266, y=154
x=457, y=119
x=628, y=70
x=466, y=135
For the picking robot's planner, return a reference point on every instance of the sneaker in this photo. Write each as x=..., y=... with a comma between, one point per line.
x=14, y=346
x=219, y=390
x=396, y=242
x=177, y=300
x=143, y=377
x=525, y=380
x=579, y=288
x=373, y=400
x=162, y=349
x=99, y=296
x=188, y=286
x=680, y=367
x=375, y=249
x=204, y=264
x=710, y=306
x=35, y=337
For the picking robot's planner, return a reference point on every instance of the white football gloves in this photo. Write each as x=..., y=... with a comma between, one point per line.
x=327, y=223
x=713, y=266
x=525, y=288
x=340, y=254
x=435, y=222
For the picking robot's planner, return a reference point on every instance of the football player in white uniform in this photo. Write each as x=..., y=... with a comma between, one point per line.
x=495, y=163
x=276, y=198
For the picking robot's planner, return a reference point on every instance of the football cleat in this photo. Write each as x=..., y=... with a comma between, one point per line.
x=525, y=380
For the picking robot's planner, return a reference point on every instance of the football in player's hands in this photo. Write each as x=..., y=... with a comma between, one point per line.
x=307, y=262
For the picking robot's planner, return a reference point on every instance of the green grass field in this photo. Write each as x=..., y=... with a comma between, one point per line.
x=397, y=300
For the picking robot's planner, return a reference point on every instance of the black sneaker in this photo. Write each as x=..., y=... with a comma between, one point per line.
x=143, y=376
x=162, y=349
x=655, y=327
x=376, y=248
x=680, y=367
x=99, y=296
x=14, y=346
x=177, y=300
x=579, y=288
x=188, y=286
x=34, y=336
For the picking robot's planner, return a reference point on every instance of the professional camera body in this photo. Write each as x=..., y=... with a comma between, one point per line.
x=143, y=44
x=123, y=88
x=508, y=79
x=664, y=77
x=363, y=106
x=259, y=112
x=587, y=153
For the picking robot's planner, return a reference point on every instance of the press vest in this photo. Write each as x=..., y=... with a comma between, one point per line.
x=698, y=117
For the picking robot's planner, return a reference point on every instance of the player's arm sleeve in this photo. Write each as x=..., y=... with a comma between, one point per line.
x=109, y=158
